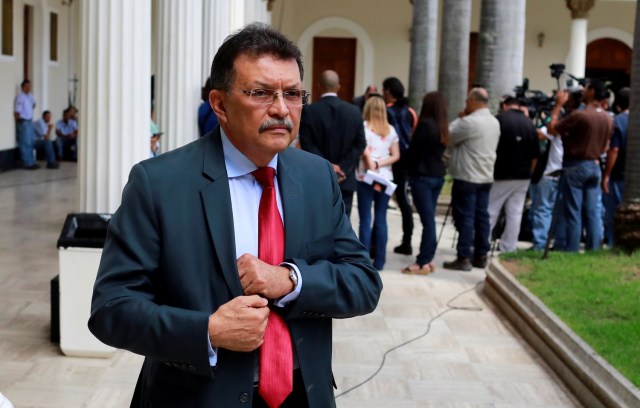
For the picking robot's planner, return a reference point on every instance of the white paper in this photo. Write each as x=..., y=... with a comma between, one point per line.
x=389, y=186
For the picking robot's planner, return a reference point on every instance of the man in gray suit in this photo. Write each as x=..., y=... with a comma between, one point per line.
x=182, y=278
x=333, y=129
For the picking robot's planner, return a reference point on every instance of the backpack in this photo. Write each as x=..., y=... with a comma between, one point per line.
x=404, y=120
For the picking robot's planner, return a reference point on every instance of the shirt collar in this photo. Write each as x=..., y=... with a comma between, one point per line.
x=329, y=94
x=236, y=162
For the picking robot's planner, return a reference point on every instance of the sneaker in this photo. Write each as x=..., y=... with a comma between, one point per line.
x=54, y=165
x=479, y=262
x=32, y=167
x=460, y=264
x=404, y=249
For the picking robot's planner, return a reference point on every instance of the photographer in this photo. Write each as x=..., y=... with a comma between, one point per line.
x=516, y=156
x=585, y=135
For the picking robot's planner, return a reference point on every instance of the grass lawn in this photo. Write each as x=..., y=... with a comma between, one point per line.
x=597, y=294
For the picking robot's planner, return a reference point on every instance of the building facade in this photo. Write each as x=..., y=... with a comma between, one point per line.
x=72, y=50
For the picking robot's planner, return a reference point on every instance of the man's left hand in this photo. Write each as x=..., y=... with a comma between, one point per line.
x=260, y=278
x=339, y=173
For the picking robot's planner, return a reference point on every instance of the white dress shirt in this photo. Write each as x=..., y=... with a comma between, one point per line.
x=246, y=192
x=24, y=105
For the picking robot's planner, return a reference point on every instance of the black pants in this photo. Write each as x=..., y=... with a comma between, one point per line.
x=347, y=198
x=401, y=178
x=297, y=398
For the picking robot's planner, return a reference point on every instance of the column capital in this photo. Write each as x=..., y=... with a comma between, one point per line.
x=580, y=8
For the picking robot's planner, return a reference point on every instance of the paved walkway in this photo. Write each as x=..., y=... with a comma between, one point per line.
x=468, y=358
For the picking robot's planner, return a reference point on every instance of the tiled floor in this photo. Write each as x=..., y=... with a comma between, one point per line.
x=468, y=358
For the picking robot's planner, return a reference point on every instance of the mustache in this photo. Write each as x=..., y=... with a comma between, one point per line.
x=276, y=122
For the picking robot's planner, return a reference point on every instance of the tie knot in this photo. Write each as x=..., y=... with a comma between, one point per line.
x=264, y=175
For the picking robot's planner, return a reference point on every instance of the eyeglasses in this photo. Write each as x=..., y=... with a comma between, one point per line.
x=292, y=97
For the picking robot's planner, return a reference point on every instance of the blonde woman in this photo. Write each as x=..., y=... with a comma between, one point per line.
x=381, y=152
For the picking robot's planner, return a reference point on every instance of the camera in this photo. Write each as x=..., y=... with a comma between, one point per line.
x=537, y=102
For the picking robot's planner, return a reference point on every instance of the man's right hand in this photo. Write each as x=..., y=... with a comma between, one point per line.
x=562, y=96
x=239, y=324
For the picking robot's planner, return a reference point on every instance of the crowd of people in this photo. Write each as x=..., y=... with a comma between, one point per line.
x=57, y=141
x=566, y=168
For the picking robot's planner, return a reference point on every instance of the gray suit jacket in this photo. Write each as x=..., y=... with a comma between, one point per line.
x=169, y=262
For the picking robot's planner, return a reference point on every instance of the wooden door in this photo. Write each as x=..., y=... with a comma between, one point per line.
x=27, y=38
x=338, y=54
x=610, y=60
x=473, y=56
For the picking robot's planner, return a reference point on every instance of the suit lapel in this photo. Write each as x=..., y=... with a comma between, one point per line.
x=216, y=201
x=291, y=194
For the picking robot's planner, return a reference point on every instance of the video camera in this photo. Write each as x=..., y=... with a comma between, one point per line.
x=537, y=102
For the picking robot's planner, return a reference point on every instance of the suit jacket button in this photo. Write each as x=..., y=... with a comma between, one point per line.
x=244, y=397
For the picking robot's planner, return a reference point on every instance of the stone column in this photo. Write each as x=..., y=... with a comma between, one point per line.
x=424, y=42
x=578, y=49
x=510, y=50
x=114, y=98
x=453, y=74
x=179, y=64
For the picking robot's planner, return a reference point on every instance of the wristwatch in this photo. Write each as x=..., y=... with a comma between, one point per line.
x=293, y=276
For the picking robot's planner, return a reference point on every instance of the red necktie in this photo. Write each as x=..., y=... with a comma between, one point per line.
x=276, y=355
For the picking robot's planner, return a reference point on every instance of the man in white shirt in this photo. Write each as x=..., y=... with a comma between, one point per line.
x=23, y=113
x=42, y=129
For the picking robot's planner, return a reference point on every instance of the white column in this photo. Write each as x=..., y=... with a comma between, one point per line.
x=216, y=26
x=237, y=15
x=114, y=100
x=179, y=71
x=577, y=59
x=578, y=51
x=256, y=11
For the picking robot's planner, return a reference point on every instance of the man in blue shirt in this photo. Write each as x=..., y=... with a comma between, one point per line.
x=23, y=113
x=613, y=177
x=67, y=132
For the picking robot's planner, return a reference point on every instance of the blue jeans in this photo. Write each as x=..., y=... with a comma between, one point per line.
x=425, y=191
x=542, y=210
x=47, y=145
x=580, y=191
x=470, y=203
x=611, y=202
x=65, y=143
x=25, y=133
x=367, y=197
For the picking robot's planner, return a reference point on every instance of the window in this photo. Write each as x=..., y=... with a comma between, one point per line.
x=53, y=37
x=7, y=27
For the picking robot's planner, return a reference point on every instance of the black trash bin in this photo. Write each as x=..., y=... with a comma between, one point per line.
x=84, y=230
x=79, y=246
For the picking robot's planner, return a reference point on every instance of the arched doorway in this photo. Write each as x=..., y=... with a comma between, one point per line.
x=609, y=59
x=363, y=64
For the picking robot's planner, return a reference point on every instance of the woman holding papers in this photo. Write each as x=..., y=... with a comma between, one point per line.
x=375, y=177
x=426, y=175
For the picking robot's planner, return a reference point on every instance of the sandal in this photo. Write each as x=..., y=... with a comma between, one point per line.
x=415, y=269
